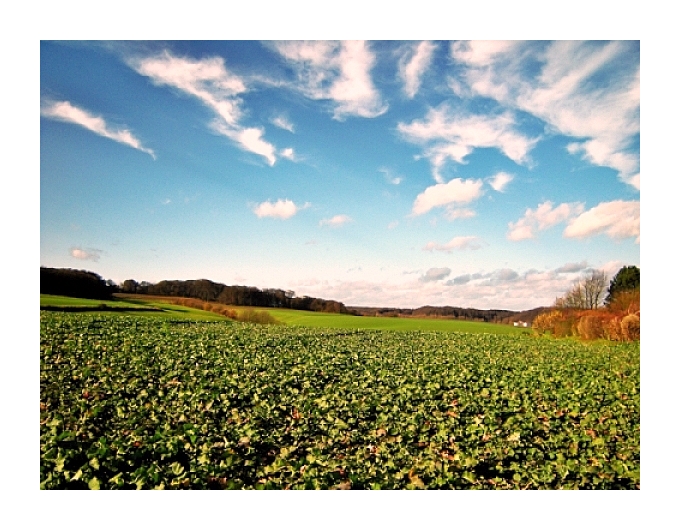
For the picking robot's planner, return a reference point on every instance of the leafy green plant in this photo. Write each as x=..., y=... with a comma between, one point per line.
x=133, y=402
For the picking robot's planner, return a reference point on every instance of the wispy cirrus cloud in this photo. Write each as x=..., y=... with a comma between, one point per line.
x=390, y=176
x=209, y=81
x=452, y=213
x=457, y=243
x=454, y=192
x=281, y=209
x=617, y=219
x=335, y=71
x=66, y=112
x=572, y=91
x=89, y=254
x=336, y=221
x=449, y=134
x=413, y=63
x=543, y=217
x=283, y=123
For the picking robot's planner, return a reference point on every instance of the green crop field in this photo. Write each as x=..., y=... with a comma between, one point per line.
x=137, y=402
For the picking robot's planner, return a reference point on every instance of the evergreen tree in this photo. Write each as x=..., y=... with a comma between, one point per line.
x=627, y=279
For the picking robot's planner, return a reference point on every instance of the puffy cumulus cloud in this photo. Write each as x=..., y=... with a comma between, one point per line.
x=500, y=289
x=500, y=180
x=281, y=209
x=413, y=63
x=506, y=275
x=617, y=219
x=497, y=277
x=288, y=153
x=335, y=71
x=64, y=111
x=466, y=278
x=435, y=274
x=457, y=243
x=456, y=191
x=587, y=90
x=542, y=218
x=212, y=84
x=448, y=134
x=336, y=221
x=91, y=254
x=572, y=267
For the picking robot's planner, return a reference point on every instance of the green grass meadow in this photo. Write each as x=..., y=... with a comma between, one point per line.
x=289, y=317
x=129, y=306
x=292, y=317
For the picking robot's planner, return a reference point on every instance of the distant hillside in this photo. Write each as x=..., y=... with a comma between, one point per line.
x=525, y=316
x=479, y=315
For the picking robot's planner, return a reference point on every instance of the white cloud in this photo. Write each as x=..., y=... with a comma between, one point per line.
x=572, y=267
x=435, y=274
x=283, y=123
x=617, y=219
x=457, y=243
x=448, y=134
x=542, y=218
x=250, y=139
x=390, y=176
x=288, y=153
x=501, y=288
x=393, y=225
x=335, y=71
x=458, y=213
x=64, y=111
x=480, y=53
x=336, y=221
x=212, y=84
x=500, y=180
x=281, y=209
x=91, y=254
x=456, y=191
x=574, y=92
x=413, y=63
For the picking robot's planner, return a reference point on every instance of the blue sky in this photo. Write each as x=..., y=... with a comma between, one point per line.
x=390, y=173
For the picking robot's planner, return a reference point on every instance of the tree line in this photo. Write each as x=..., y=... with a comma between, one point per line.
x=75, y=283
x=86, y=284
x=238, y=295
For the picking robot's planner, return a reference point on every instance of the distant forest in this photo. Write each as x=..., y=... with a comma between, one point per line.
x=461, y=313
x=86, y=284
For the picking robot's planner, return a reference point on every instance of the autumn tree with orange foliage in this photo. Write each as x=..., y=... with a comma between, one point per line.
x=578, y=313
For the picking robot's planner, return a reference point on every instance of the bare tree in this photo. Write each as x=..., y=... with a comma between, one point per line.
x=594, y=287
x=586, y=293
